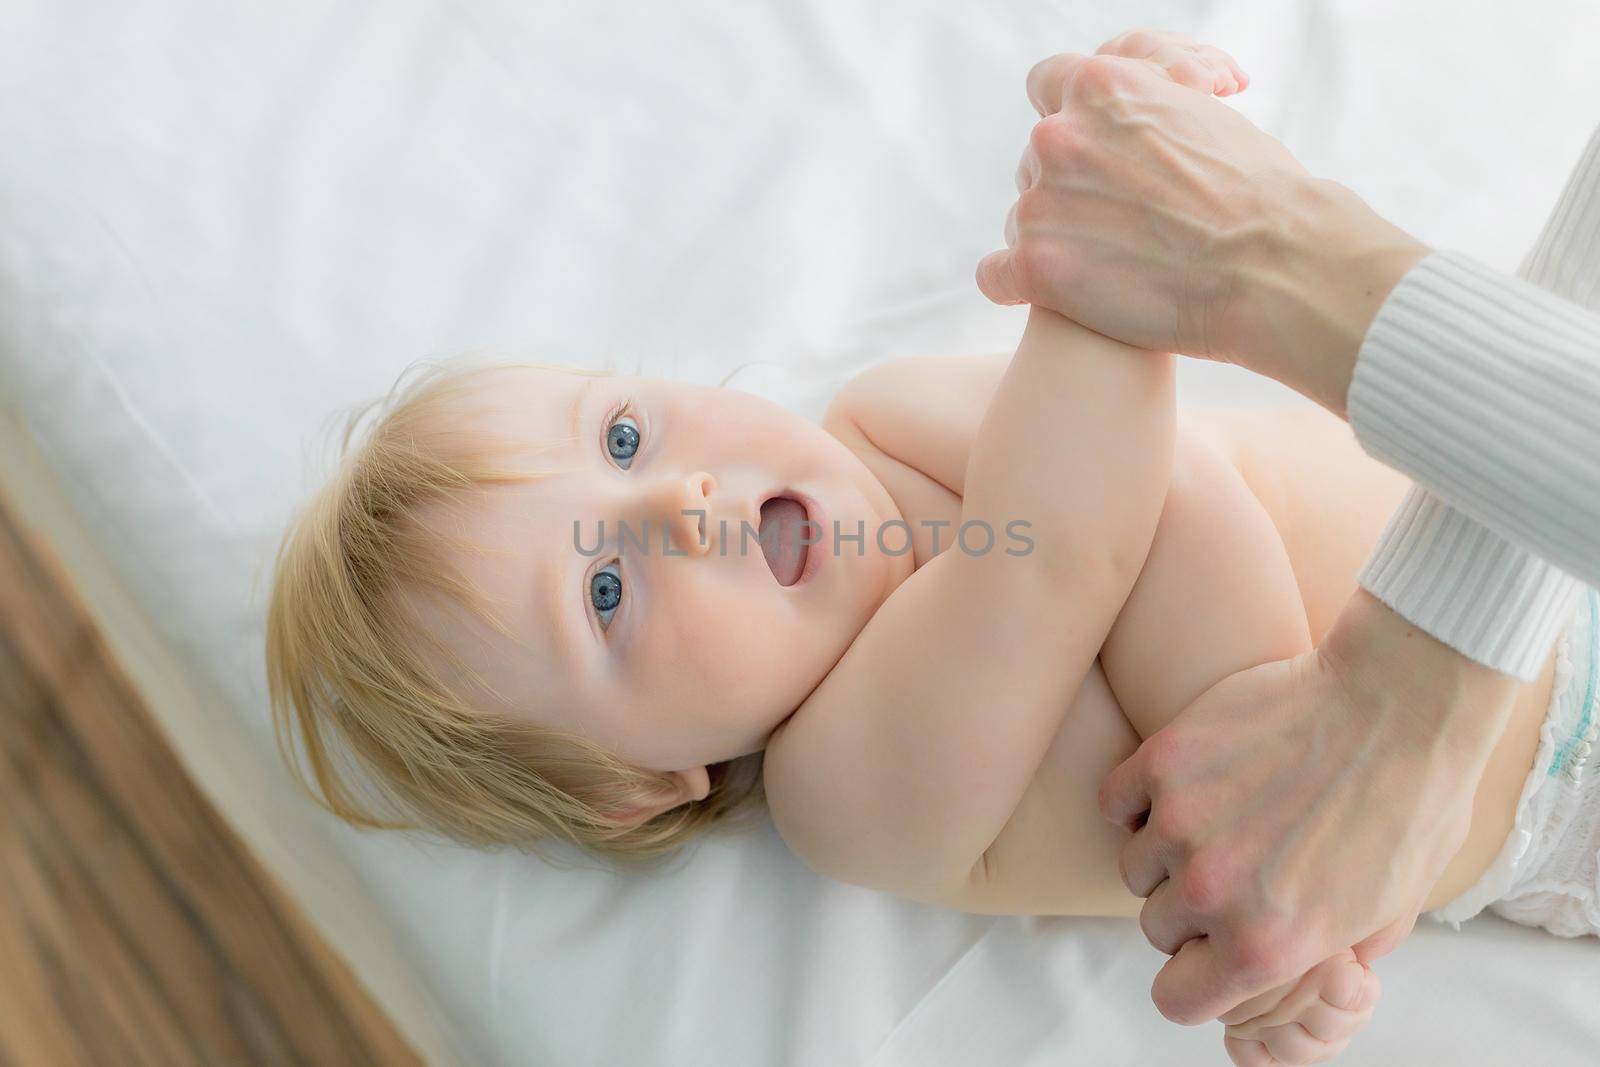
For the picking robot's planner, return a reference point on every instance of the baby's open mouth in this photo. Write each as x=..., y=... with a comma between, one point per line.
x=783, y=527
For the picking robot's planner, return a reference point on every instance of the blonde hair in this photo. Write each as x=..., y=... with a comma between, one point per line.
x=388, y=745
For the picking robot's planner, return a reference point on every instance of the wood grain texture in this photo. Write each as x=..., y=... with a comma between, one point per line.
x=135, y=928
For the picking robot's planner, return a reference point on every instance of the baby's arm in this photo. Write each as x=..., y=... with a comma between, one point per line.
x=908, y=760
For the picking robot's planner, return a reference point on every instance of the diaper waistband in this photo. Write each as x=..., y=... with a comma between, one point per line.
x=1575, y=691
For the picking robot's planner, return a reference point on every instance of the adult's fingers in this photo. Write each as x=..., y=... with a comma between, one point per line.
x=1028, y=169
x=1185, y=61
x=1142, y=43
x=1144, y=863
x=1388, y=939
x=1125, y=794
x=1047, y=81
x=1166, y=923
x=1194, y=986
x=1199, y=66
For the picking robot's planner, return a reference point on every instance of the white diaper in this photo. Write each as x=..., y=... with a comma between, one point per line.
x=1548, y=872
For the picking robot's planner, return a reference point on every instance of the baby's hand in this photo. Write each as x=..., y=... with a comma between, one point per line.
x=1309, y=1021
x=1198, y=66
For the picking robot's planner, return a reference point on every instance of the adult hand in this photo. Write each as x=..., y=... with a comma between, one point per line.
x=1158, y=215
x=1302, y=807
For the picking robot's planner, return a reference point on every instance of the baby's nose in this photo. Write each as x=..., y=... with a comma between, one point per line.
x=679, y=507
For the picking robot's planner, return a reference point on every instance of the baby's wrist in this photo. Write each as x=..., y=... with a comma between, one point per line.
x=1310, y=283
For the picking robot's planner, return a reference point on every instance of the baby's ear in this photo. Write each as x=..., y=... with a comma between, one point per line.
x=683, y=787
x=696, y=783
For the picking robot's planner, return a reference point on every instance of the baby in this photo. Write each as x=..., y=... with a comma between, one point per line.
x=550, y=604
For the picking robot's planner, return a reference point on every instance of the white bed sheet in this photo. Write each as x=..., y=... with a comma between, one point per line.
x=220, y=223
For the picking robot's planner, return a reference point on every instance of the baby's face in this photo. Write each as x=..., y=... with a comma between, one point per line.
x=673, y=660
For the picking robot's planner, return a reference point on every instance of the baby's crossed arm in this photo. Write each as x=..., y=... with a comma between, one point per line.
x=1215, y=594
x=908, y=760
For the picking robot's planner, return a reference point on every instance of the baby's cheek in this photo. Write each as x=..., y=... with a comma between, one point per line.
x=685, y=633
x=729, y=646
x=738, y=657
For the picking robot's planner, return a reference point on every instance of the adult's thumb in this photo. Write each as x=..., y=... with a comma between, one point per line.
x=996, y=279
x=1386, y=940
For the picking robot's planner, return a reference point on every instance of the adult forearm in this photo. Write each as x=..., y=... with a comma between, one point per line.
x=1449, y=707
x=1486, y=597
x=1302, y=288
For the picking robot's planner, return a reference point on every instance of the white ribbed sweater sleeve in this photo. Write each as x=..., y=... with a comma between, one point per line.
x=1485, y=389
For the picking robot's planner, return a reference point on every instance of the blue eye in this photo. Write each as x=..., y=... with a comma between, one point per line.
x=605, y=593
x=622, y=440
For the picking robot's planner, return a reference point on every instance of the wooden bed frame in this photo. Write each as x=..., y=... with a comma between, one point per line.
x=161, y=899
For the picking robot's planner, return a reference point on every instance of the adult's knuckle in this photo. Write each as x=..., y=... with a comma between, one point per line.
x=1172, y=822
x=1027, y=167
x=1032, y=206
x=1112, y=46
x=1045, y=81
x=1055, y=141
x=1099, y=77
x=1163, y=755
x=1207, y=882
x=1138, y=43
x=1033, y=265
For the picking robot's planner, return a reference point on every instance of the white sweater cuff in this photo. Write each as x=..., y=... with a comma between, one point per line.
x=1468, y=587
x=1486, y=389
